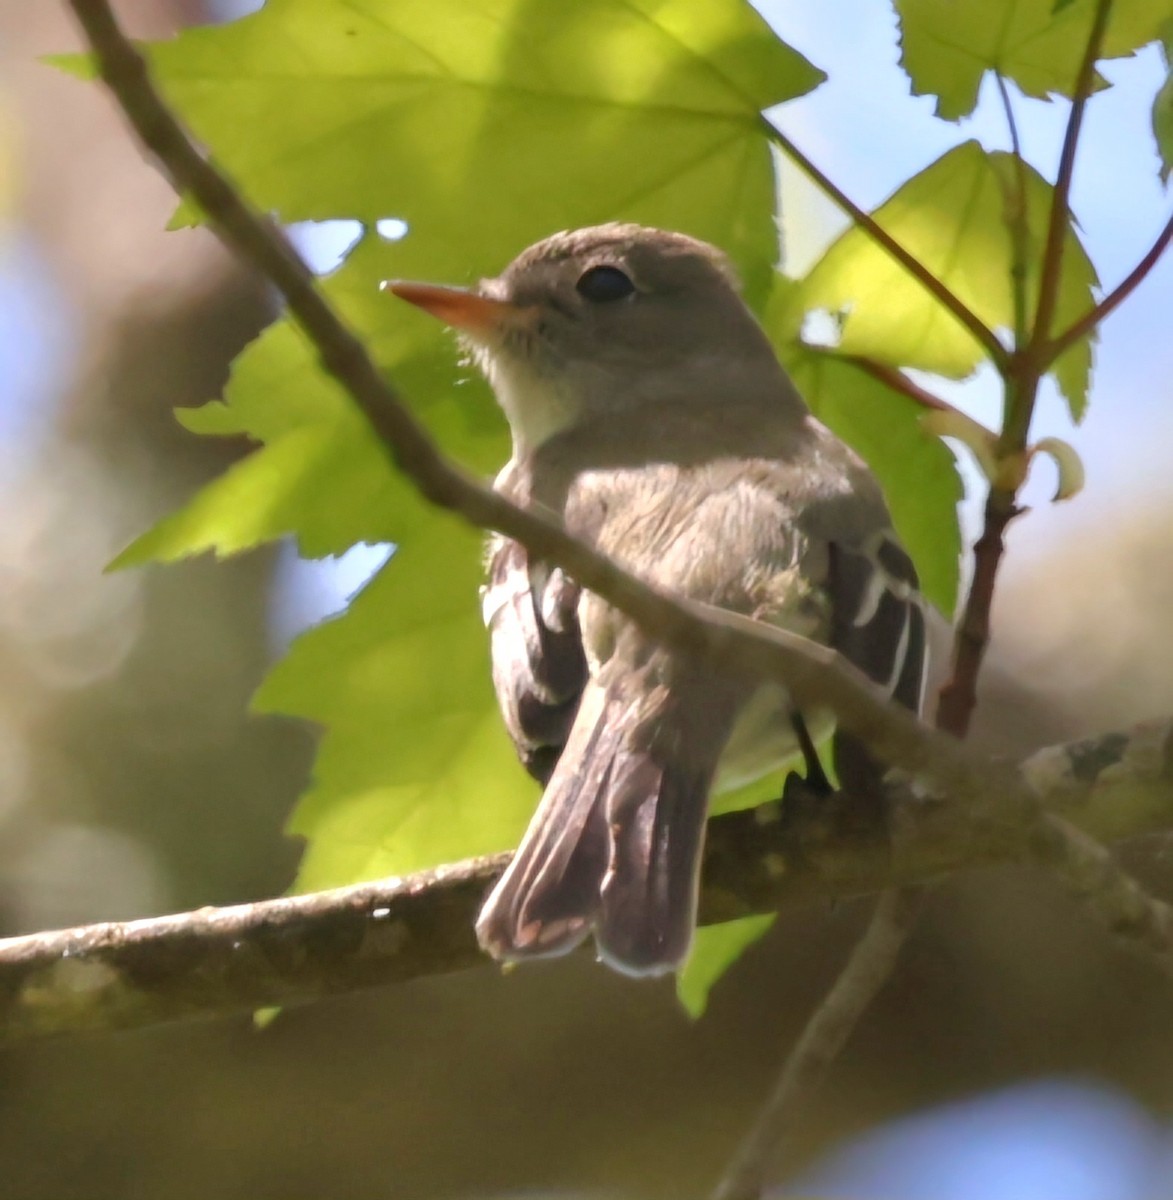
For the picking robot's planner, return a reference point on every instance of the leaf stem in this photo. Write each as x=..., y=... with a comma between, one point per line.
x=888, y=375
x=1090, y=319
x=934, y=286
x=1017, y=426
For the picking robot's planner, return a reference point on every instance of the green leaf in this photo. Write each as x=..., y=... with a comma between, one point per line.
x=946, y=48
x=80, y=66
x=715, y=948
x=486, y=127
x=321, y=475
x=758, y=791
x=952, y=218
x=415, y=767
x=1163, y=107
x=263, y=497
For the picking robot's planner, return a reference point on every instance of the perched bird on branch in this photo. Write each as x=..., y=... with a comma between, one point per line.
x=649, y=412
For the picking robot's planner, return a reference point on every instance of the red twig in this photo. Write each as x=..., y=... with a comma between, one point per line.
x=891, y=377
x=959, y=696
x=1120, y=292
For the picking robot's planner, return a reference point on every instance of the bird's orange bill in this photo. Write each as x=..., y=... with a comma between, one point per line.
x=458, y=307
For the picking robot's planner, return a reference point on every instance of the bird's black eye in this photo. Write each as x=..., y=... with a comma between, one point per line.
x=601, y=285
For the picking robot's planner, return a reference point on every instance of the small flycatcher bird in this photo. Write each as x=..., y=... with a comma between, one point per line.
x=649, y=412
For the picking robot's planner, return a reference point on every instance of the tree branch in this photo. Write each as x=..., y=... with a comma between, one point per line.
x=215, y=962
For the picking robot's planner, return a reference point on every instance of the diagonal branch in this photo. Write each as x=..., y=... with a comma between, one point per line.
x=220, y=961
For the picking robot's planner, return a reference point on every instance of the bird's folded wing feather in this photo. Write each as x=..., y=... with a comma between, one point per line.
x=877, y=614
x=539, y=669
x=878, y=624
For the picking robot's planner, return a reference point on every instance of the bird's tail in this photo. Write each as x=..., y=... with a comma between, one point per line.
x=615, y=843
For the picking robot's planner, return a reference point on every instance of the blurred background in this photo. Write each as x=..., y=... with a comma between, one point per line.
x=1016, y=1054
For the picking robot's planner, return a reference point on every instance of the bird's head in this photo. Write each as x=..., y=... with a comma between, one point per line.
x=599, y=322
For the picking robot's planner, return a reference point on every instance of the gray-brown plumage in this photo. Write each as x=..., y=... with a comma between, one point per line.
x=648, y=411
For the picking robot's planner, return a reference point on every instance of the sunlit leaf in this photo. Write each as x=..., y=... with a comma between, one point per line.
x=415, y=767
x=946, y=47
x=951, y=217
x=487, y=126
x=321, y=475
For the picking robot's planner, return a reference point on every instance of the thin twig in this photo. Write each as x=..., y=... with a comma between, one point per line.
x=1016, y=428
x=1095, y=314
x=984, y=335
x=1021, y=377
x=868, y=969
x=888, y=375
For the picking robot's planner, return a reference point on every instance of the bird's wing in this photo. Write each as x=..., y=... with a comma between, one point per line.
x=878, y=624
x=877, y=614
x=539, y=669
